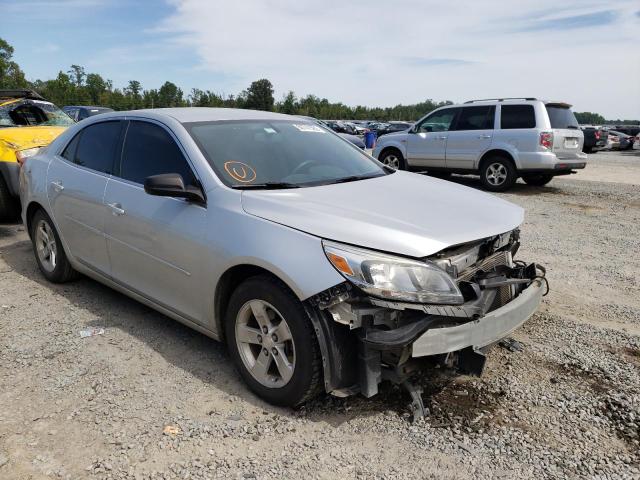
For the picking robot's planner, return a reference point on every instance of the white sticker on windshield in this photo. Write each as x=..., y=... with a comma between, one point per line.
x=308, y=128
x=269, y=130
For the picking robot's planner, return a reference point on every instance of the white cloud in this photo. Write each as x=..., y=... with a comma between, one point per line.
x=383, y=53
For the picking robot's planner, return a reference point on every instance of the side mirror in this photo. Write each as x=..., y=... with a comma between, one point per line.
x=172, y=185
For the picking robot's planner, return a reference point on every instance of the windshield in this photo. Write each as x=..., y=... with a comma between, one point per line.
x=561, y=117
x=27, y=113
x=285, y=153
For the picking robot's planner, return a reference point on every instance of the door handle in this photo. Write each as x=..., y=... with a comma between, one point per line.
x=116, y=209
x=443, y=137
x=484, y=136
x=57, y=186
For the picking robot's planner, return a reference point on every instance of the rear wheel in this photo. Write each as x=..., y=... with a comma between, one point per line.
x=272, y=342
x=537, y=180
x=498, y=174
x=9, y=205
x=52, y=260
x=393, y=159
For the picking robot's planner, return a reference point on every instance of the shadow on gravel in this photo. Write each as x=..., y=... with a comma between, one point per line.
x=520, y=188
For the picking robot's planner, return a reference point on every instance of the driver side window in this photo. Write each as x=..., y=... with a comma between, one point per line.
x=439, y=121
x=150, y=150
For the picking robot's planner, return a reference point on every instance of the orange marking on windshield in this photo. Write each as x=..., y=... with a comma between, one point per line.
x=240, y=171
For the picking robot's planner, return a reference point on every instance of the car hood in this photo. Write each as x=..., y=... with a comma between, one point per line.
x=402, y=213
x=20, y=138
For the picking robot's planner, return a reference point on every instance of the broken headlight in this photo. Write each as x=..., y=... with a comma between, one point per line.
x=391, y=277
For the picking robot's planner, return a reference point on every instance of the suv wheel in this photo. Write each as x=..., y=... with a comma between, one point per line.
x=52, y=260
x=9, y=206
x=537, y=180
x=272, y=342
x=497, y=174
x=393, y=159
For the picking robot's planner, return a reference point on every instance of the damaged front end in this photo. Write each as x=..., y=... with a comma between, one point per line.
x=369, y=338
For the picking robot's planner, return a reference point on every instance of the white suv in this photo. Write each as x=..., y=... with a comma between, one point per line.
x=500, y=139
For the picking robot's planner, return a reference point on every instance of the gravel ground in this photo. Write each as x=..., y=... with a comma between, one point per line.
x=151, y=399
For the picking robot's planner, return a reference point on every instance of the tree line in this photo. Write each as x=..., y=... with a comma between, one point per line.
x=76, y=86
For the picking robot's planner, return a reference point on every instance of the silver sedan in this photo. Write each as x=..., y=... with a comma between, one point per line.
x=321, y=268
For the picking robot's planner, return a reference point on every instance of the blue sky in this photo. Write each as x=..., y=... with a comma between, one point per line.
x=370, y=52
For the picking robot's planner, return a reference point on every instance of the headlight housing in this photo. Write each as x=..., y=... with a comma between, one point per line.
x=22, y=155
x=391, y=277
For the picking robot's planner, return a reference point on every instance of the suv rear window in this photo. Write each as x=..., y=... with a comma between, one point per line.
x=517, y=116
x=561, y=117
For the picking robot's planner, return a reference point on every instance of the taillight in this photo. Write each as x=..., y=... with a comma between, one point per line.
x=546, y=140
x=597, y=135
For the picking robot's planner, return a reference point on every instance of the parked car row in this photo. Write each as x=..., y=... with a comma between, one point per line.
x=609, y=137
x=266, y=231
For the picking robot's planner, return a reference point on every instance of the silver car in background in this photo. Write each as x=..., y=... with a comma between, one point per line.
x=498, y=139
x=278, y=237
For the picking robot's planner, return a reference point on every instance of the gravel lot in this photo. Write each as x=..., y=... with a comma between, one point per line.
x=153, y=399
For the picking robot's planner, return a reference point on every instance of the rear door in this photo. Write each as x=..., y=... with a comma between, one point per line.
x=567, y=136
x=470, y=136
x=427, y=143
x=157, y=245
x=76, y=182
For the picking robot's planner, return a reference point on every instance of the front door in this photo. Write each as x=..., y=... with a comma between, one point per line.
x=470, y=136
x=156, y=244
x=76, y=182
x=427, y=142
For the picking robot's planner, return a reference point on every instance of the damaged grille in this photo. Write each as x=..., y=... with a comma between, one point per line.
x=505, y=293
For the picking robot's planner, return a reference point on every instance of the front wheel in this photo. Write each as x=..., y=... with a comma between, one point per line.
x=52, y=260
x=393, y=159
x=272, y=342
x=498, y=174
x=537, y=180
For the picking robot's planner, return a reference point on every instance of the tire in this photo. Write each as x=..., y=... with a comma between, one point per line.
x=498, y=174
x=276, y=383
x=9, y=205
x=537, y=180
x=587, y=149
x=56, y=268
x=393, y=159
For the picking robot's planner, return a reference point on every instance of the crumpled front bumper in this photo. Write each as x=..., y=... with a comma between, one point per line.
x=484, y=331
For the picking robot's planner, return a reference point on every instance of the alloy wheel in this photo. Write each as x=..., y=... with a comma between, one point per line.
x=392, y=161
x=46, y=246
x=265, y=343
x=496, y=174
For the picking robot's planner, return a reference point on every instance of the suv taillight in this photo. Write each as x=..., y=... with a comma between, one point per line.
x=546, y=140
x=597, y=134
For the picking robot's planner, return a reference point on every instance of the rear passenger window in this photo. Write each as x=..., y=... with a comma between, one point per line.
x=70, y=152
x=476, y=118
x=517, y=116
x=150, y=150
x=97, y=146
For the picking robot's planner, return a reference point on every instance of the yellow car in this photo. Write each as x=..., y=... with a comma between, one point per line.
x=27, y=123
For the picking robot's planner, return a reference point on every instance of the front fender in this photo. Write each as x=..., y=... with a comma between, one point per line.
x=400, y=144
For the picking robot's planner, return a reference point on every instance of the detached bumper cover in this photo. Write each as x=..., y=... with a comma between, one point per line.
x=484, y=331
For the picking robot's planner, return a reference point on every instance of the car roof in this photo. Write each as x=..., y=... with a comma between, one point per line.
x=91, y=107
x=204, y=114
x=20, y=93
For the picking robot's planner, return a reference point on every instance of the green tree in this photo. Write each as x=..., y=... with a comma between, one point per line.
x=259, y=96
x=11, y=76
x=289, y=104
x=589, y=118
x=170, y=95
x=95, y=87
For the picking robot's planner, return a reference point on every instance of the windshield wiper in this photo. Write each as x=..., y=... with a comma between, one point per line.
x=573, y=127
x=355, y=178
x=265, y=186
